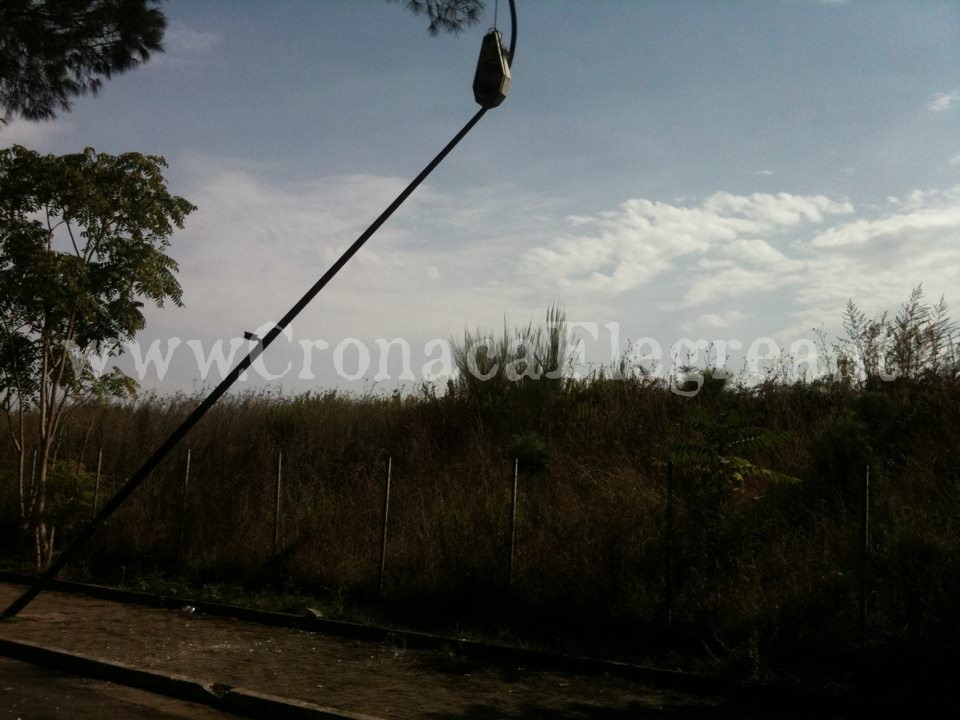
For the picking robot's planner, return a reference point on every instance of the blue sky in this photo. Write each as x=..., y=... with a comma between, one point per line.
x=683, y=169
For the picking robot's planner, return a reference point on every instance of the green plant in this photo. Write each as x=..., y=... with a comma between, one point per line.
x=530, y=450
x=83, y=240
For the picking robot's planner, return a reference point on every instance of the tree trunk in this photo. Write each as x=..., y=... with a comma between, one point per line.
x=42, y=538
x=40, y=548
x=21, y=480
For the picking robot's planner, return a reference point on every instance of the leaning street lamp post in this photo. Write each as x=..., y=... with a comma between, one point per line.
x=491, y=85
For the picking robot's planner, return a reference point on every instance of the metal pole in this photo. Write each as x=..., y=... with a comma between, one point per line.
x=171, y=442
x=276, y=507
x=183, y=508
x=386, y=522
x=864, y=564
x=670, y=547
x=717, y=539
x=513, y=31
x=96, y=484
x=513, y=518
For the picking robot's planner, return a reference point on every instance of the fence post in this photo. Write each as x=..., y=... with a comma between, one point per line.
x=513, y=519
x=864, y=564
x=717, y=542
x=670, y=547
x=96, y=484
x=276, y=507
x=386, y=522
x=183, y=508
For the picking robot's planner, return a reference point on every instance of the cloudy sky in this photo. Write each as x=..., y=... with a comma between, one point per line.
x=707, y=170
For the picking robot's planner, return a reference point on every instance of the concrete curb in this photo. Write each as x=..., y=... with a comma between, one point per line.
x=238, y=701
x=261, y=705
x=173, y=685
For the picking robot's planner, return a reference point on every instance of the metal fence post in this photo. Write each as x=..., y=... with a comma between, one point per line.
x=96, y=484
x=670, y=547
x=864, y=564
x=276, y=507
x=183, y=508
x=386, y=522
x=513, y=519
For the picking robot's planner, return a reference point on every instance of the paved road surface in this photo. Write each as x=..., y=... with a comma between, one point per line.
x=28, y=692
x=383, y=680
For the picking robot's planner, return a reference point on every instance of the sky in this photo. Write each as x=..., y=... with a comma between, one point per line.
x=661, y=170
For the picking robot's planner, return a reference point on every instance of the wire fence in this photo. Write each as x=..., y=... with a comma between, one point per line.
x=649, y=552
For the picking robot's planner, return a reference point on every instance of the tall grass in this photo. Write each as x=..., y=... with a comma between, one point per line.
x=768, y=581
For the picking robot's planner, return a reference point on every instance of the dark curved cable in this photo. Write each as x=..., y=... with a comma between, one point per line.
x=177, y=435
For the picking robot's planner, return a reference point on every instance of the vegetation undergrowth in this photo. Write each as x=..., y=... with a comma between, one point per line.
x=721, y=531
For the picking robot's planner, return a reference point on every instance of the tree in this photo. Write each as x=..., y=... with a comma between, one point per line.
x=712, y=449
x=54, y=50
x=447, y=15
x=82, y=248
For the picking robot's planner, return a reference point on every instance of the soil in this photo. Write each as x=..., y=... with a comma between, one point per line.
x=376, y=679
x=28, y=692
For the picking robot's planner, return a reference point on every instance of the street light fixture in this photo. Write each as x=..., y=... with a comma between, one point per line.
x=493, y=83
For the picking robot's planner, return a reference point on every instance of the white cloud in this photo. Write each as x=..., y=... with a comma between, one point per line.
x=253, y=246
x=764, y=173
x=919, y=219
x=633, y=245
x=35, y=135
x=755, y=252
x=780, y=210
x=877, y=261
x=743, y=248
x=444, y=261
x=918, y=198
x=732, y=283
x=719, y=320
x=955, y=160
x=941, y=101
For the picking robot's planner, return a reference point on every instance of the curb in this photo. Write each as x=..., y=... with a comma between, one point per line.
x=238, y=701
x=173, y=685
x=260, y=705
